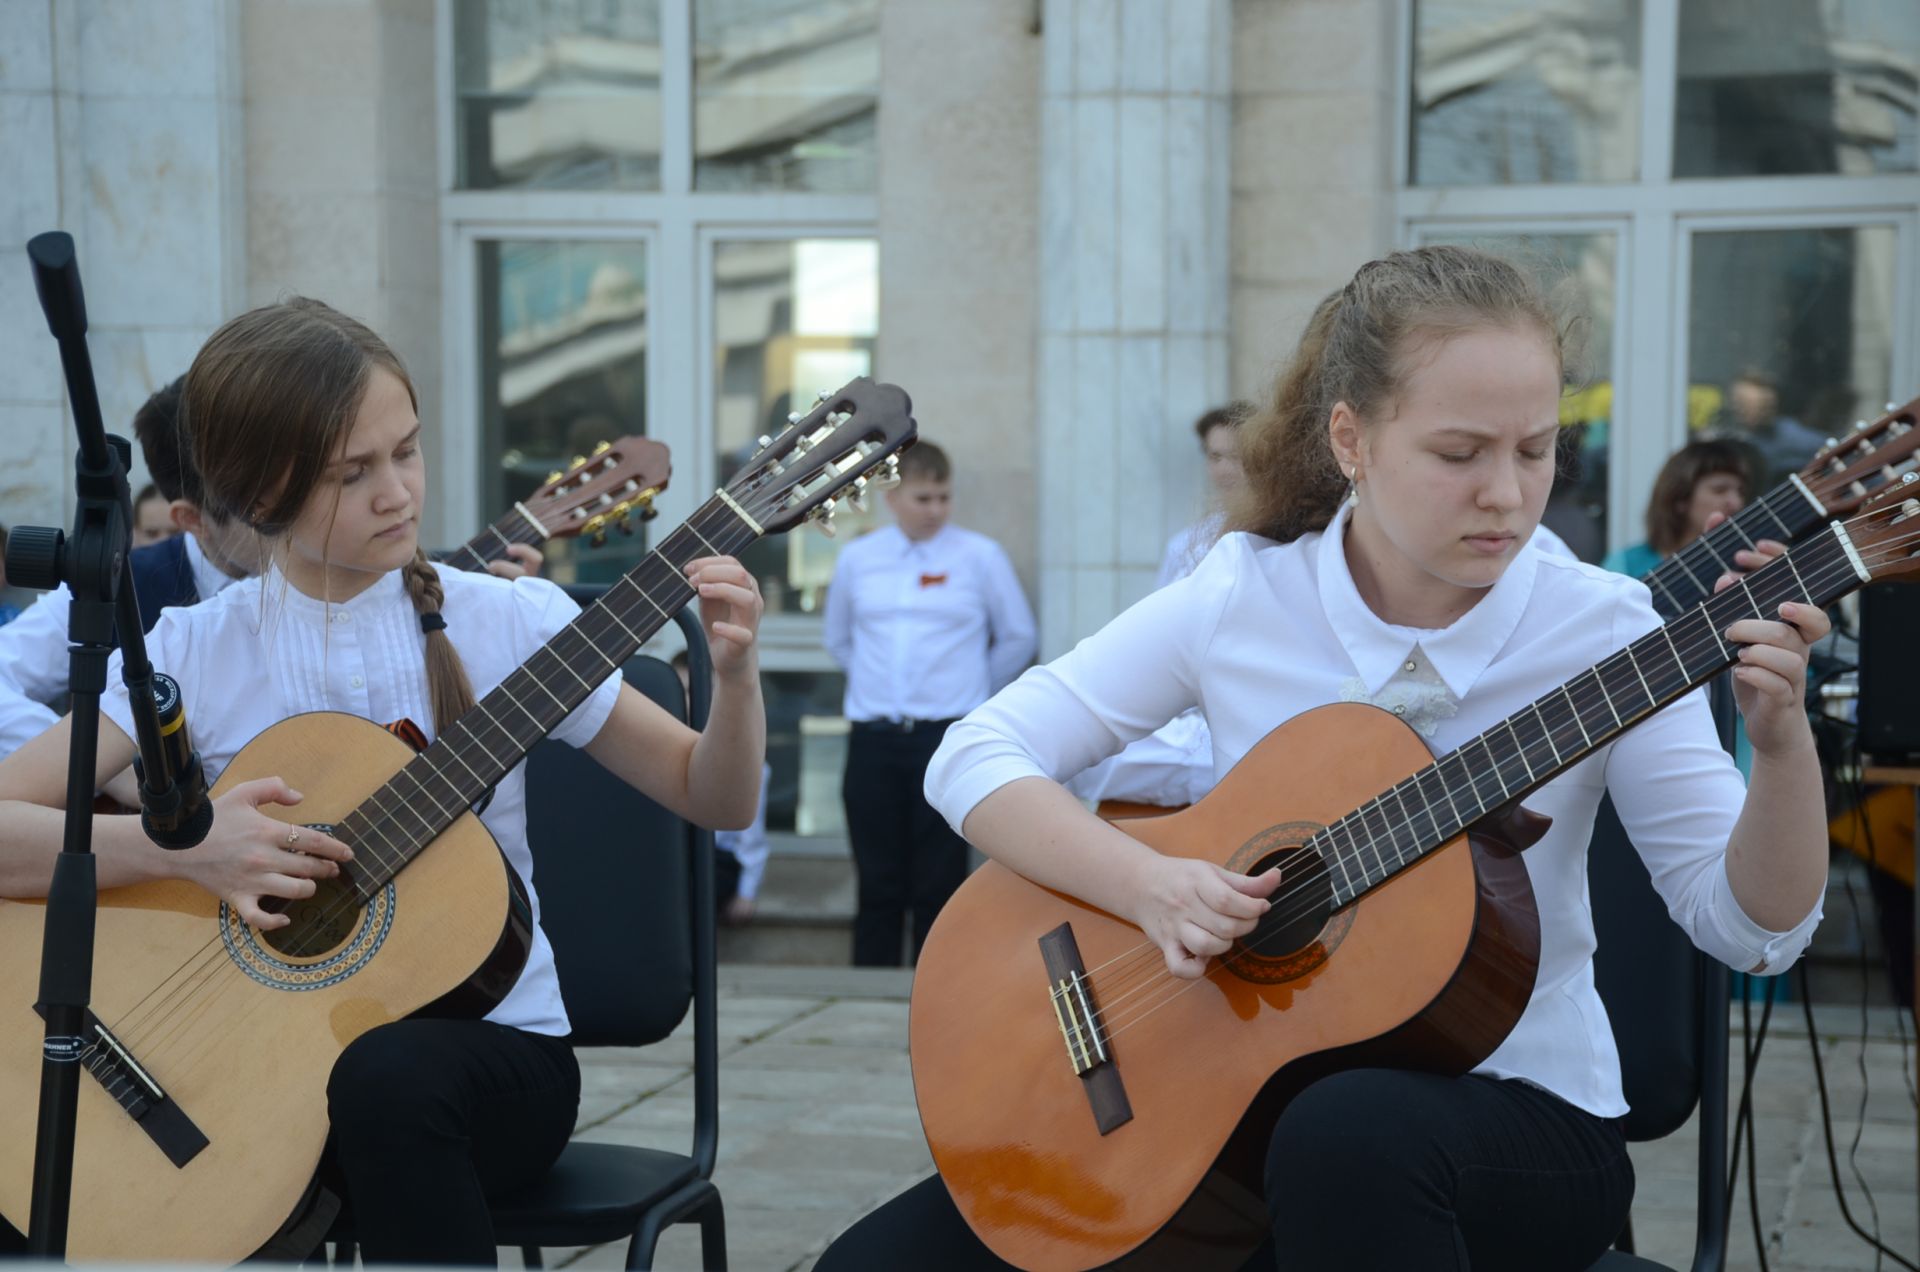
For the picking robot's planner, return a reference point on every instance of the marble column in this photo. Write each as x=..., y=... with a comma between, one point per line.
x=119, y=123
x=1134, y=291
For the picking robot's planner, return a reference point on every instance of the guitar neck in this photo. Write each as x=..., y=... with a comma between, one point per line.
x=1686, y=578
x=476, y=751
x=492, y=543
x=1536, y=744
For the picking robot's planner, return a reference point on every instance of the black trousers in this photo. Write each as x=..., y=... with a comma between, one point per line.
x=431, y=1118
x=1375, y=1170
x=908, y=859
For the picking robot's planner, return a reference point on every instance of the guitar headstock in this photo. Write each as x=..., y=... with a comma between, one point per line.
x=603, y=491
x=1848, y=470
x=1885, y=533
x=845, y=445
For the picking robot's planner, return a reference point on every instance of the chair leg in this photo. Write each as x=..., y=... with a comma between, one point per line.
x=713, y=1236
x=645, y=1238
x=530, y=1257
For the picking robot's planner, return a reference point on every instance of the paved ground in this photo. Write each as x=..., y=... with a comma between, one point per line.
x=818, y=1125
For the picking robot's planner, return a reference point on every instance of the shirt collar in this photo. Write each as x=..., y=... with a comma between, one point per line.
x=387, y=591
x=209, y=580
x=911, y=547
x=1460, y=653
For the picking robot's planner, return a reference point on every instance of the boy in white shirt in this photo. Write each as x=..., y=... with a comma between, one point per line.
x=928, y=621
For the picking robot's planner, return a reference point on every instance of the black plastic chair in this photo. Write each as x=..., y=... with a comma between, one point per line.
x=1668, y=1005
x=626, y=898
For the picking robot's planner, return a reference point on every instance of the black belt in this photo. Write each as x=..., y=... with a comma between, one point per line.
x=905, y=725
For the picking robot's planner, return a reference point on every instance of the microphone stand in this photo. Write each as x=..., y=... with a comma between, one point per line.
x=93, y=563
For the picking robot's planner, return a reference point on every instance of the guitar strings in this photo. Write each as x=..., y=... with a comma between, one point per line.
x=1114, y=1026
x=1142, y=953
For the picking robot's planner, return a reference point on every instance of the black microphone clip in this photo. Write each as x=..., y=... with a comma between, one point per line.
x=176, y=813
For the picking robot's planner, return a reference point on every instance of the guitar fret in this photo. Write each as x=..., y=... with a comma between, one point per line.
x=422, y=788
x=1805, y=591
x=1608, y=699
x=1766, y=505
x=1446, y=788
x=1547, y=729
x=1420, y=788
x=541, y=685
x=1566, y=691
x=1757, y=611
x=516, y=702
x=1493, y=762
x=1705, y=544
x=1521, y=748
x=1654, y=580
x=1644, y=686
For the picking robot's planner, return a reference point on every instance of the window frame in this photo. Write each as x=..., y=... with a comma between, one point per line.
x=1659, y=215
x=679, y=225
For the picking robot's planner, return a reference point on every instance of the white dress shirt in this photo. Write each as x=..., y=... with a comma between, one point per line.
x=1173, y=765
x=263, y=651
x=33, y=655
x=1264, y=631
x=926, y=630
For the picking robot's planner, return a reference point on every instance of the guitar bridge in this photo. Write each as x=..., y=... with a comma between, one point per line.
x=138, y=1095
x=1089, y=1049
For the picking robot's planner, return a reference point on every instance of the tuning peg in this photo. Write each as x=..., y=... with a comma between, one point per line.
x=603, y=448
x=1893, y=406
x=553, y=476
x=803, y=444
x=1858, y=425
x=794, y=417
x=578, y=460
x=824, y=394
x=826, y=525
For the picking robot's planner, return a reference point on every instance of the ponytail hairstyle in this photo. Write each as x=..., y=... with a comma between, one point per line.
x=1358, y=348
x=266, y=406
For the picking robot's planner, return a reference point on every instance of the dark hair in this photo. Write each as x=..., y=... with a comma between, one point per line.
x=1357, y=349
x=157, y=425
x=923, y=461
x=148, y=491
x=1673, y=489
x=1232, y=415
x=268, y=403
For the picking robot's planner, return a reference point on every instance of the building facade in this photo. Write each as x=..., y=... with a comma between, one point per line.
x=1066, y=227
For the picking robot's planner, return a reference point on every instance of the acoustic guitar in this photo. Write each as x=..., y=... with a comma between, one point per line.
x=1834, y=483
x=209, y=1042
x=1086, y=1107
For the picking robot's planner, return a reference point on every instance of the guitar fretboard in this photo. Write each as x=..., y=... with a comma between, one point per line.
x=492, y=543
x=466, y=761
x=1686, y=578
x=1529, y=748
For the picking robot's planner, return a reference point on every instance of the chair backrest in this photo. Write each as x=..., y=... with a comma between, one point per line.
x=1652, y=981
x=614, y=870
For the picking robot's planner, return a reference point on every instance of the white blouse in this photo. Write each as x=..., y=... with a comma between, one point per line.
x=1263, y=631
x=262, y=651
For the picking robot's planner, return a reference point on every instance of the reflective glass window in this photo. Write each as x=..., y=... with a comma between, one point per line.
x=557, y=94
x=785, y=95
x=1518, y=92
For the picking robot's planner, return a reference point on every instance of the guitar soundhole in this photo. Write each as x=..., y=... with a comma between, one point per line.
x=1301, y=904
x=321, y=922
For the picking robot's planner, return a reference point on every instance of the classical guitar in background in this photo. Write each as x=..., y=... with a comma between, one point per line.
x=599, y=492
x=209, y=1042
x=1084, y=1106
x=1835, y=483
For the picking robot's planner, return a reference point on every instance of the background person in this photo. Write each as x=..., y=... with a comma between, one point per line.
x=928, y=620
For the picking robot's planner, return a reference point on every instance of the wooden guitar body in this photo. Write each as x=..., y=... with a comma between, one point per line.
x=240, y=1036
x=1429, y=971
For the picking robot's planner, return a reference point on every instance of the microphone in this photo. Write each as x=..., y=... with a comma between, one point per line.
x=176, y=813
